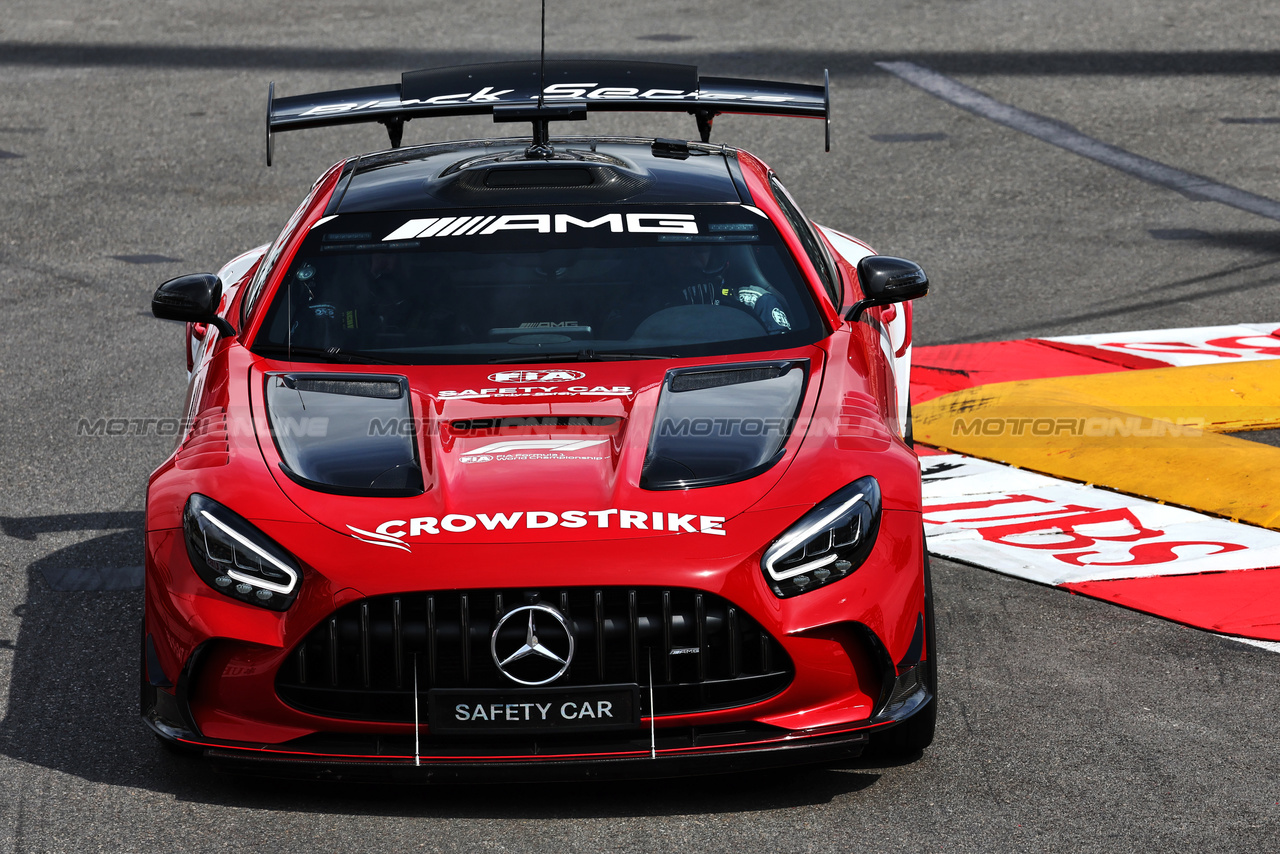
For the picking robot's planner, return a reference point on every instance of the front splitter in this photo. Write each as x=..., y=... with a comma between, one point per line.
x=800, y=750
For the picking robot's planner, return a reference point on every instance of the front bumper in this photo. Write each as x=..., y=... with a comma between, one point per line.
x=847, y=641
x=647, y=753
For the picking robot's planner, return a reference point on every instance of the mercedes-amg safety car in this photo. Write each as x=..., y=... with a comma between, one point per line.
x=549, y=456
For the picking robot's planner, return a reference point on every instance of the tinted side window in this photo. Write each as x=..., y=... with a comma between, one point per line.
x=813, y=245
x=264, y=269
x=273, y=254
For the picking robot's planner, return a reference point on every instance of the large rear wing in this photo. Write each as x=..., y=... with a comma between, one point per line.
x=560, y=90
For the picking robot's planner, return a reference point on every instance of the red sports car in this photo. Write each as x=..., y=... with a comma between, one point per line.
x=553, y=457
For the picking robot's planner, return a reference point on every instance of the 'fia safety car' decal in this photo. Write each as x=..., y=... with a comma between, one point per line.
x=539, y=391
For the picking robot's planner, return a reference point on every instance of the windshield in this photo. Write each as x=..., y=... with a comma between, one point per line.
x=491, y=285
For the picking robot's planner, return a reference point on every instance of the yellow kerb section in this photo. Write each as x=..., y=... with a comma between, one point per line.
x=1151, y=433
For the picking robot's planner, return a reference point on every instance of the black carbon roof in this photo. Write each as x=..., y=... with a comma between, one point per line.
x=497, y=172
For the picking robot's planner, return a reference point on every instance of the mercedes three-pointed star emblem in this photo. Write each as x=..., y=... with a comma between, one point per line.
x=547, y=659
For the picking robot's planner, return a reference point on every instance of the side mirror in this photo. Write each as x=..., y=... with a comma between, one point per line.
x=886, y=280
x=193, y=299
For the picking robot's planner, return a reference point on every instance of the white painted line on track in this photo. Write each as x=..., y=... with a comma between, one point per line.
x=1196, y=187
x=1270, y=646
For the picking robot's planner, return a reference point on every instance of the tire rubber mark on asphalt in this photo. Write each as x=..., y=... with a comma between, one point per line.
x=145, y=259
x=94, y=578
x=907, y=137
x=1196, y=187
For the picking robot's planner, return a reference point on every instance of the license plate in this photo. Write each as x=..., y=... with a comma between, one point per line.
x=608, y=707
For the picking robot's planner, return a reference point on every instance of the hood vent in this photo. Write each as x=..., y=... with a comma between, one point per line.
x=723, y=424
x=345, y=434
x=697, y=380
x=380, y=389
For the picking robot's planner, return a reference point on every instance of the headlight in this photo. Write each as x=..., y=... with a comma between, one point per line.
x=828, y=543
x=237, y=559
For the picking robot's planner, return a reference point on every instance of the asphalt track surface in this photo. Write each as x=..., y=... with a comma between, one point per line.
x=131, y=151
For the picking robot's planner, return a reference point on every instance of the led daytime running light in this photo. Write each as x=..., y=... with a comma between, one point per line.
x=789, y=543
x=251, y=579
x=826, y=544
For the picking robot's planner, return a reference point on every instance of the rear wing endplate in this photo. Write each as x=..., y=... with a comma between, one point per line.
x=562, y=90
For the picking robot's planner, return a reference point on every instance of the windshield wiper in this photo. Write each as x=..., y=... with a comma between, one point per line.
x=332, y=354
x=581, y=356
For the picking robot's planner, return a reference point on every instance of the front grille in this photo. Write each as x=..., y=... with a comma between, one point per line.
x=704, y=652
